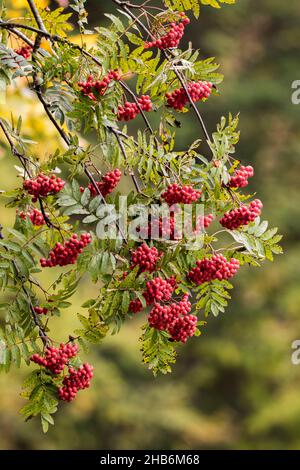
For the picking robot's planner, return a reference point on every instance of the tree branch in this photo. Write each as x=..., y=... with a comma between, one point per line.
x=121, y=145
x=36, y=15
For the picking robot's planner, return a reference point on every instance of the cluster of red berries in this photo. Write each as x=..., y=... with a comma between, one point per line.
x=240, y=177
x=95, y=88
x=41, y=310
x=107, y=184
x=172, y=37
x=78, y=379
x=216, y=267
x=24, y=51
x=159, y=227
x=197, y=91
x=157, y=290
x=131, y=110
x=242, y=215
x=204, y=221
x=35, y=216
x=176, y=194
x=55, y=359
x=145, y=257
x=175, y=319
x=43, y=186
x=67, y=253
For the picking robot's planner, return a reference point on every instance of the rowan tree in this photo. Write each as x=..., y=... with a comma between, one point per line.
x=136, y=71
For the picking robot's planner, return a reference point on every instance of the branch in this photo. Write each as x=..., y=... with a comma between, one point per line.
x=121, y=145
x=126, y=6
x=23, y=160
x=36, y=15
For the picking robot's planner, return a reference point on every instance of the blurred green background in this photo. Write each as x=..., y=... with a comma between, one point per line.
x=234, y=387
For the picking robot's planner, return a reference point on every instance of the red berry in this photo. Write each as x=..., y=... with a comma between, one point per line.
x=78, y=379
x=131, y=110
x=61, y=255
x=55, y=359
x=43, y=185
x=96, y=88
x=198, y=91
x=175, y=319
x=242, y=216
x=24, y=51
x=145, y=257
x=240, y=177
x=107, y=184
x=176, y=194
x=172, y=37
x=41, y=310
x=216, y=267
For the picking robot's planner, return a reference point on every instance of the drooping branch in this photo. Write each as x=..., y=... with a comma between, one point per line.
x=126, y=6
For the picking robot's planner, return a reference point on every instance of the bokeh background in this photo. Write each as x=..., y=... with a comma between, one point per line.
x=235, y=386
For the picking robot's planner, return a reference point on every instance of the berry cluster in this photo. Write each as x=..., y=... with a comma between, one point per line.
x=172, y=37
x=175, y=319
x=61, y=255
x=217, y=267
x=55, y=359
x=35, y=216
x=131, y=110
x=202, y=222
x=107, y=184
x=176, y=194
x=242, y=216
x=145, y=257
x=95, y=88
x=43, y=186
x=240, y=177
x=41, y=310
x=24, y=51
x=160, y=227
x=78, y=379
x=197, y=91
x=205, y=220
x=157, y=290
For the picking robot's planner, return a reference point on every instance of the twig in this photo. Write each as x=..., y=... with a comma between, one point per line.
x=126, y=7
x=22, y=160
x=36, y=15
x=121, y=145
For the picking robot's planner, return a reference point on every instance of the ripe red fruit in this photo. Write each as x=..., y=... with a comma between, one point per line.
x=96, y=88
x=61, y=255
x=131, y=110
x=242, y=216
x=35, y=216
x=175, y=319
x=24, y=51
x=240, y=177
x=157, y=289
x=145, y=257
x=216, y=267
x=41, y=310
x=176, y=194
x=55, y=359
x=43, y=185
x=107, y=184
x=78, y=379
x=173, y=36
x=198, y=91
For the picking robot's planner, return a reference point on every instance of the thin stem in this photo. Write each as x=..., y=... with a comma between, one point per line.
x=36, y=15
x=121, y=145
x=126, y=7
x=95, y=186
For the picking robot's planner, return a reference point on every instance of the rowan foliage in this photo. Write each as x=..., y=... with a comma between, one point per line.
x=86, y=90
